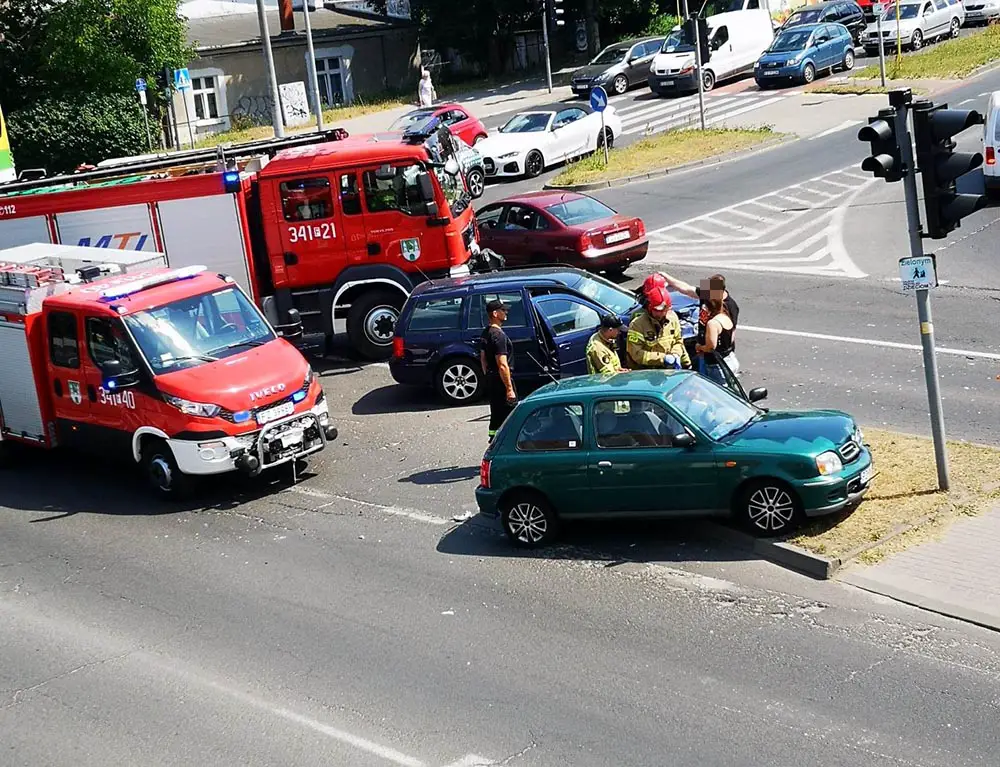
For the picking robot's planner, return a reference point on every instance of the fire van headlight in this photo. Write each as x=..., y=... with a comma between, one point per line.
x=202, y=409
x=828, y=463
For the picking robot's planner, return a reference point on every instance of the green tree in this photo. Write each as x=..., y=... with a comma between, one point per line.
x=22, y=33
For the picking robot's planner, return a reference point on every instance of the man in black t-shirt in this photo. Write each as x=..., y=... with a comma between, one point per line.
x=713, y=287
x=496, y=355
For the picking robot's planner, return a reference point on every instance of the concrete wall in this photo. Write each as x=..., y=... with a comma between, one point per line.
x=371, y=65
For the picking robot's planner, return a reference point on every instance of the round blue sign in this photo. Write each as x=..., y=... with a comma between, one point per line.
x=598, y=99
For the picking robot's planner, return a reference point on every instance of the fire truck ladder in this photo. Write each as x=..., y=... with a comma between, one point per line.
x=223, y=156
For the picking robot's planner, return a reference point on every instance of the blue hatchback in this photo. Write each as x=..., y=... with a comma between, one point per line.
x=798, y=53
x=553, y=313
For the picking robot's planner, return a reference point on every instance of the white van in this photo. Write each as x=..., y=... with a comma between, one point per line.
x=736, y=41
x=991, y=146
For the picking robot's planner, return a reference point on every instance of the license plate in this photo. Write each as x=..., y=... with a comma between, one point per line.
x=866, y=475
x=274, y=413
x=614, y=237
x=666, y=82
x=770, y=74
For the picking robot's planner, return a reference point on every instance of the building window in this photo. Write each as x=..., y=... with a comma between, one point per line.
x=331, y=81
x=203, y=91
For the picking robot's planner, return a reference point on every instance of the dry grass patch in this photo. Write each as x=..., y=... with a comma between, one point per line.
x=662, y=151
x=850, y=89
x=950, y=59
x=904, y=493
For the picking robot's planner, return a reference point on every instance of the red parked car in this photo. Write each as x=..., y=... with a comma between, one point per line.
x=562, y=227
x=455, y=116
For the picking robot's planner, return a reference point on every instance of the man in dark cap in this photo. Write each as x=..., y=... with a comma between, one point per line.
x=496, y=355
x=602, y=356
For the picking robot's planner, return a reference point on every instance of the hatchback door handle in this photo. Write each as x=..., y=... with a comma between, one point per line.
x=604, y=464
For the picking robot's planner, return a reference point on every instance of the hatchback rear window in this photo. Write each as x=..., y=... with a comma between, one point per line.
x=437, y=314
x=580, y=211
x=556, y=427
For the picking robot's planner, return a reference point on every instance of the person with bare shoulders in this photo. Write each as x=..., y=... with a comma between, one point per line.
x=718, y=340
x=712, y=288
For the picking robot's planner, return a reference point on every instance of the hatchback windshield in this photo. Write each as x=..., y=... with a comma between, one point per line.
x=792, y=40
x=580, y=211
x=411, y=119
x=199, y=329
x=527, y=122
x=713, y=409
x=910, y=11
x=605, y=293
x=677, y=42
x=610, y=55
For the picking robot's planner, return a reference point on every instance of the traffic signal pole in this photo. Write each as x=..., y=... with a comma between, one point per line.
x=545, y=42
x=900, y=100
x=697, y=69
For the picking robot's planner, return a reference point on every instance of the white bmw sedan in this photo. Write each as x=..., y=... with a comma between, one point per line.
x=534, y=140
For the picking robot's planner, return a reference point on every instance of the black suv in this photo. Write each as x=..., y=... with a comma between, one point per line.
x=844, y=12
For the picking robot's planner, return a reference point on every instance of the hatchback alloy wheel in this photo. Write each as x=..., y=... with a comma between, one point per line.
x=770, y=509
x=528, y=520
x=917, y=41
x=956, y=28
x=620, y=84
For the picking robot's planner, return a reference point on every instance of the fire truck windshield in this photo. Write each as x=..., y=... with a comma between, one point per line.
x=454, y=191
x=198, y=329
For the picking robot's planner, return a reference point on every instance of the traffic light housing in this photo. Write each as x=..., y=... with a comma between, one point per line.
x=941, y=166
x=689, y=34
x=886, y=159
x=557, y=13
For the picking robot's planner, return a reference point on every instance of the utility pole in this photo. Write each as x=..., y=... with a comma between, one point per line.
x=545, y=43
x=696, y=36
x=311, y=69
x=265, y=41
x=881, y=48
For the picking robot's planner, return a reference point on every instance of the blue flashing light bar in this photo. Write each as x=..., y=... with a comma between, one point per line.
x=129, y=288
x=231, y=181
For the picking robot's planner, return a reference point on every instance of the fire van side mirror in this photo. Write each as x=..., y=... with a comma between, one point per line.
x=385, y=173
x=115, y=377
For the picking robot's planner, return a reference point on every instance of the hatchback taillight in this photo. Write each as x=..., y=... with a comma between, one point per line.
x=991, y=157
x=484, y=473
x=640, y=228
x=398, y=347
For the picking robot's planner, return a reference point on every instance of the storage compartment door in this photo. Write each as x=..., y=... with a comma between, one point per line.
x=126, y=227
x=207, y=231
x=18, y=395
x=15, y=232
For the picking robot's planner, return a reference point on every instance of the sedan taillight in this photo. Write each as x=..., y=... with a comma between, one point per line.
x=991, y=157
x=585, y=243
x=484, y=474
x=398, y=347
x=640, y=228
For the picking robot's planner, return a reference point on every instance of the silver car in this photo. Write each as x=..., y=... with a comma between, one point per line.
x=472, y=167
x=919, y=22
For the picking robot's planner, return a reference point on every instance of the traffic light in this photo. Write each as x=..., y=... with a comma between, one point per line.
x=557, y=13
x=702, y=28
x=941, y=166
x=885, y=160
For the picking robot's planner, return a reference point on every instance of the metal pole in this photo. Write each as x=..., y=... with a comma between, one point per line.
x=900, y=99
x=311, y=69
x=697, y=69
x=545, y=42
x=899, y=38
x=187, y=117
x=145, y=121
x=265, y=41
x=881, y=49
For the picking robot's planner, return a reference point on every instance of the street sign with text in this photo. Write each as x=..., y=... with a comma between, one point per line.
x=918, y=273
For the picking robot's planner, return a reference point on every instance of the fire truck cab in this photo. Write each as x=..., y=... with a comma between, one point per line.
x=175, y=369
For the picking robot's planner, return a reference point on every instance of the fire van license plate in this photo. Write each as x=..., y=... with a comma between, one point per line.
x=274, y=413
x=866, y=475
x=614, y=237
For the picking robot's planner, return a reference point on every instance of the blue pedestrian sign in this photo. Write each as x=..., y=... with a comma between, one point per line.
x=599, y=99
x=140, y=85
x=182, y=79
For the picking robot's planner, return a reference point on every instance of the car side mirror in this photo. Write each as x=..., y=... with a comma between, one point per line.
x=756, y=395
x=426, y=187
x=292, y=328
x=115, y=377
x=683, y=440
x=385, y=173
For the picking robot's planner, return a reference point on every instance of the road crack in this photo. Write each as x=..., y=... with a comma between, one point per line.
x=19, y=694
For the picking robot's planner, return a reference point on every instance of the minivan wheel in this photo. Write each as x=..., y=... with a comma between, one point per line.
x=476, y=181
x=848, y=61
x=768, y=507
x=161, y=472
x=371, y=323
x=808, y=74
x=917, y=41
x=619, y=85
x=707, y=80
x=459, y=381
x=528, y=520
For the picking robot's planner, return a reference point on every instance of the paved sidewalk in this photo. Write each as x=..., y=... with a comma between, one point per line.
x=958, y=575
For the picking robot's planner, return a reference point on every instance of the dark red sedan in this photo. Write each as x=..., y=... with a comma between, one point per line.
x=468, y=128
x=562, y=227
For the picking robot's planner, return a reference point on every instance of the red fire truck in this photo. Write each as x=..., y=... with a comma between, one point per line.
x=174, y=368
x=327, y=230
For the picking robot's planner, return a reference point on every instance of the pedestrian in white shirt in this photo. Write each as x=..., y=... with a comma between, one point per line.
x=425, y=91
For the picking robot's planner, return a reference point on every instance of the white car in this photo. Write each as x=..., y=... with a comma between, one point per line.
x=991, y=146
x=981, y=11
x=536, y=139
x=918, y=23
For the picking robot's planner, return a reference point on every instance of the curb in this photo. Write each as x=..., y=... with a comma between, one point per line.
x=715, y=160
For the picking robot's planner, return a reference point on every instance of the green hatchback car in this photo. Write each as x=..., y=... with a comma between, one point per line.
x=664, y=444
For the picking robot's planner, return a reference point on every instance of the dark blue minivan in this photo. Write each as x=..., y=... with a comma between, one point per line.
x=553, y=313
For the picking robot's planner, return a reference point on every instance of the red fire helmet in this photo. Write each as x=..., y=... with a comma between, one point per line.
x=654, y=290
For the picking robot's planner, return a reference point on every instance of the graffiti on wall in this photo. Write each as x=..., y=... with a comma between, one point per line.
x=256, y=110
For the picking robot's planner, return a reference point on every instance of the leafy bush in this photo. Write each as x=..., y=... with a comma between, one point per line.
x=60, y=133
x=660, y=24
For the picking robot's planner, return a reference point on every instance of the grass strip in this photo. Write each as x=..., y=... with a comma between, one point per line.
x=948, y=60
x=904, y=493
x=663, y=150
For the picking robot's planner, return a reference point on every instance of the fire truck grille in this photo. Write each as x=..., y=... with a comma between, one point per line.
x=228, y=415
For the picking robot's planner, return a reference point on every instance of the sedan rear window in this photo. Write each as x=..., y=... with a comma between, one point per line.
x=437, y=314
x=582, y=210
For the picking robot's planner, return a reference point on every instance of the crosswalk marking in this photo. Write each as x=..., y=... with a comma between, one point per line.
x=659, y=115
x=796, y=229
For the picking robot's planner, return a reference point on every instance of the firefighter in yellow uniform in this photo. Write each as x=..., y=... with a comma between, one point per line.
x=655, y=340
x=602, y=357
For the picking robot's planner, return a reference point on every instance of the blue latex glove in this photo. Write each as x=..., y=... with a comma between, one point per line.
x=670, y=361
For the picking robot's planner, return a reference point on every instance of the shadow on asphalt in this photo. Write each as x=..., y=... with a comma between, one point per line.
x=396, y=398
x=64, y=484
x=610, y=544
x=445, y=476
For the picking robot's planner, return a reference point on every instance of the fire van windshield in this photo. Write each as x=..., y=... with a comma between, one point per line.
x=198, y=329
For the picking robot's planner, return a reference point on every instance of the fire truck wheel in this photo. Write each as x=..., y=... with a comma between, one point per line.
x=161, y=471
x=371, y=323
